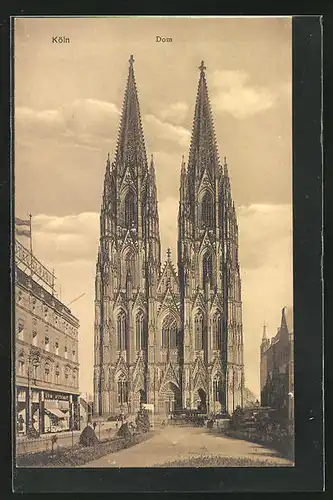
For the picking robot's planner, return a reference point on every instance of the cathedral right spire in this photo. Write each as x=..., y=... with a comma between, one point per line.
x=203, y=149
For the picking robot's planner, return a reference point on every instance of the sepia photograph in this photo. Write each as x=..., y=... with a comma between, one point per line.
x=153, y=202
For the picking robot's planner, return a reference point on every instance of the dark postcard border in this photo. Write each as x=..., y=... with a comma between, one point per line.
x=307, y=189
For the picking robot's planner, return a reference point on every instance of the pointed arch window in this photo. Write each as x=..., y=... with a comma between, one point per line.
x=130, y=268
x=207, y=269
x=130, y=210
x=140, y=340
x=207, y=211
x=169, y=333
x=217, y=389
x=198, y=326
x=122, y=390
x=217, y=332
x=121, y=332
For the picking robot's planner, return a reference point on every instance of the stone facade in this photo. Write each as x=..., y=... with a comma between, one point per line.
x=166, y=335
x=46, y=358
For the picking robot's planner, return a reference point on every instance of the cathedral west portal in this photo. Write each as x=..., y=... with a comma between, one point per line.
x=167, y=334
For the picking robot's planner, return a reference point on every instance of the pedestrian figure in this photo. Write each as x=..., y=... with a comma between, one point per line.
x=94, y=425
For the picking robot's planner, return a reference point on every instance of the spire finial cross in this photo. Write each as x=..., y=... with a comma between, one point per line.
x=202, y=67
x=131, y=60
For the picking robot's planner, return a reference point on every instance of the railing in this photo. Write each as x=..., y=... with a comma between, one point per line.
x=26, y=445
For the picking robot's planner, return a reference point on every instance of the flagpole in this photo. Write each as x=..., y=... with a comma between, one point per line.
x=30, y=219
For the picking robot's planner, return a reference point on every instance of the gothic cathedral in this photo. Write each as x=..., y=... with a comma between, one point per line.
x=164, y=334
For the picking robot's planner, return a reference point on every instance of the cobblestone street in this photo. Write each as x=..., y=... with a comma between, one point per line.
x=181, y=443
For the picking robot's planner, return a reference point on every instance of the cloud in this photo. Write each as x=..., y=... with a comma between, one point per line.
x=233, y=94
x=168, y=212
x=81, y=122
x=265, y=233
x=160, y=133
x=66, y=239
x=176, y=112
x=87, y=122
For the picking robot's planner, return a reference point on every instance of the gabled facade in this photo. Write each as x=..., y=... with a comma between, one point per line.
x=165, y=336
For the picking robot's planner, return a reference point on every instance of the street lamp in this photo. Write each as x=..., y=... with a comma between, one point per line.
x=33, y=361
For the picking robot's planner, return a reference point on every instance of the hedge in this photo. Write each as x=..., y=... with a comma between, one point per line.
x=79, y=455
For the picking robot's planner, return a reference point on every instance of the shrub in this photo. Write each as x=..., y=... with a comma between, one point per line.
x=124, y=432
x=237, y=418
x=88, y=437
x=142, y=421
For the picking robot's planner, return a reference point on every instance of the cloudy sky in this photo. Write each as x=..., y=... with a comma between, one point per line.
x=68, y=99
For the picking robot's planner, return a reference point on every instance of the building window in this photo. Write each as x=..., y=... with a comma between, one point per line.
x=56, y=347
x=47, y=344
x=217, y=389
x=121, y=331
x=207, y=269
x=217, y=332
x=169, y=333
x=21, y=366
x=130, y=268
x=34, y=337
x=47, y=373
x=35, y=372
x=140, y=341
x=122, y=391
x=198, y=326
x=57, y=373
x=66, y=373
x=20, y=329
x=73, y=354
x=207, y=211
x=74, y=378
x=66, y=352
x=130, y=210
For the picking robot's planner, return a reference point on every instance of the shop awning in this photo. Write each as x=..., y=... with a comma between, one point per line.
x=56, y=412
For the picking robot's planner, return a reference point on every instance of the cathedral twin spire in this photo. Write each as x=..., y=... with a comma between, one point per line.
x=131, y=145
x=137, y=298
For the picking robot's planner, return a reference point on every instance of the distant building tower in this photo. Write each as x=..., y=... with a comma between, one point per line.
x=277, y=367
x=173, y=340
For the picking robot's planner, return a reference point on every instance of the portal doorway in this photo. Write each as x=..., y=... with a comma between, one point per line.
x=202, y=401
x=142, y=396
x=169, y=399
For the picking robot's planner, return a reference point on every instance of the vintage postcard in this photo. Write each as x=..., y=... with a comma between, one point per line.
x=153, y=242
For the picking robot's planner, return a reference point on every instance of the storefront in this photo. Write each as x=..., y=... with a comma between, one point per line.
x=50, y=411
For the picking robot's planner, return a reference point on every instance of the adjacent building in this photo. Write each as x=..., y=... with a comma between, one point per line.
x=46, y=351
x=277, y=367
x=167, y=334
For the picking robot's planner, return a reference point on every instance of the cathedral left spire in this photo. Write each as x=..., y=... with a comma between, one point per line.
x=128, y=262
x=131, y=145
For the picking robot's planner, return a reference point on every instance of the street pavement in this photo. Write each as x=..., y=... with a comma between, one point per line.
x=178, y=443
